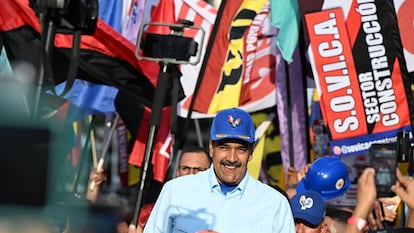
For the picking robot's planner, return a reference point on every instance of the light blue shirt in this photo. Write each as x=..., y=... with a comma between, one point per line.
x=194, y=203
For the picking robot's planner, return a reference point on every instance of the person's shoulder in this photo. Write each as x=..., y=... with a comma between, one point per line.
x=187, y=184
x=193, y=179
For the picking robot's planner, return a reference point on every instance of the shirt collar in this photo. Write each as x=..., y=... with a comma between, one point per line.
x=214, y=185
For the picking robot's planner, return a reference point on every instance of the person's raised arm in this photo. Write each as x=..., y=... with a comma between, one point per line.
x=293, y=178
x=404, y=188
x=366, y=196
x=96, y=178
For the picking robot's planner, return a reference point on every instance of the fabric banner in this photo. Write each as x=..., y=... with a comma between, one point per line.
x=87, y=98
x=90, y=98
x=285, y=16
x=235, y=70
x=360, y=73
x=262, y=84
x=122, y=139
x=106, y=57
x=255, y=165
x=128, y=174
x=228, y=67
x=290, y=101
x=203, y=15
x=134, y=20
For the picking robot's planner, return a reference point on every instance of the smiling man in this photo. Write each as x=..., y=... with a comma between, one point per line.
x=224, y=198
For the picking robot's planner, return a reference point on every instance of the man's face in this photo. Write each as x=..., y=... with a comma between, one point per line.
x=192, y=163
x=230, y=158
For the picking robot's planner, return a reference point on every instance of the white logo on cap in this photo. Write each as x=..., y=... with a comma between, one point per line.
x=234, y=122
x=305, y=202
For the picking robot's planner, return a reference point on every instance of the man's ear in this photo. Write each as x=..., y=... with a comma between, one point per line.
x=211, y=149
x=324, y=227
x=250, y=156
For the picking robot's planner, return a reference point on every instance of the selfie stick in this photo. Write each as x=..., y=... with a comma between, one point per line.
x=168, y=59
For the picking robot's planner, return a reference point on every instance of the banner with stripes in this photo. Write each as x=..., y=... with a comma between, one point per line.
x=260, y=90
x=360, y=72
x=255, y=49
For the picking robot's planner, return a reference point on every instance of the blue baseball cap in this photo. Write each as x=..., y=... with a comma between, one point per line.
x=328, y=176
x=233, y=123
x=308, y=206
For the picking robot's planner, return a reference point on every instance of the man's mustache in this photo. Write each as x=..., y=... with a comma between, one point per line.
x=229, y=163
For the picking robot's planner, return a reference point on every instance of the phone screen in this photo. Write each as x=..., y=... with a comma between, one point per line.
x=383, y=158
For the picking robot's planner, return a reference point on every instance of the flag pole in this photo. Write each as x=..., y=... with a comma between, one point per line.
x=107, y=142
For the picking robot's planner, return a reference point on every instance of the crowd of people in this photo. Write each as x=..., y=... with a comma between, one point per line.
x=213, y=192
x=222, y=198
x=327, y=176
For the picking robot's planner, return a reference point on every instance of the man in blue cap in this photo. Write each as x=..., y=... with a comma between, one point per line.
x=224, y=198
x=308, y=210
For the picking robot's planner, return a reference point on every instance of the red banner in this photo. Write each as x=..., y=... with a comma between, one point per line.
x=360, y=73
x=335, y=71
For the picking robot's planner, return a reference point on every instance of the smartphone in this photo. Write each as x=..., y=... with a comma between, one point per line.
x=383, y=158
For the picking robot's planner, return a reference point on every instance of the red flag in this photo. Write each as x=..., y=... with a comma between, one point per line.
x=163, y=13
x=162, y=145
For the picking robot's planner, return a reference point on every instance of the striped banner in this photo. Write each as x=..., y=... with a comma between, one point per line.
x=258, y=88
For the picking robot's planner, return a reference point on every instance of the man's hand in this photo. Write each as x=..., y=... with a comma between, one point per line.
x=133, y=229
x=303, y=171
x=404, y=188
x=366, y=194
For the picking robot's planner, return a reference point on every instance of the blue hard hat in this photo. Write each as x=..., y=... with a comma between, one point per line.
x=233, y=123
x=328, y=176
